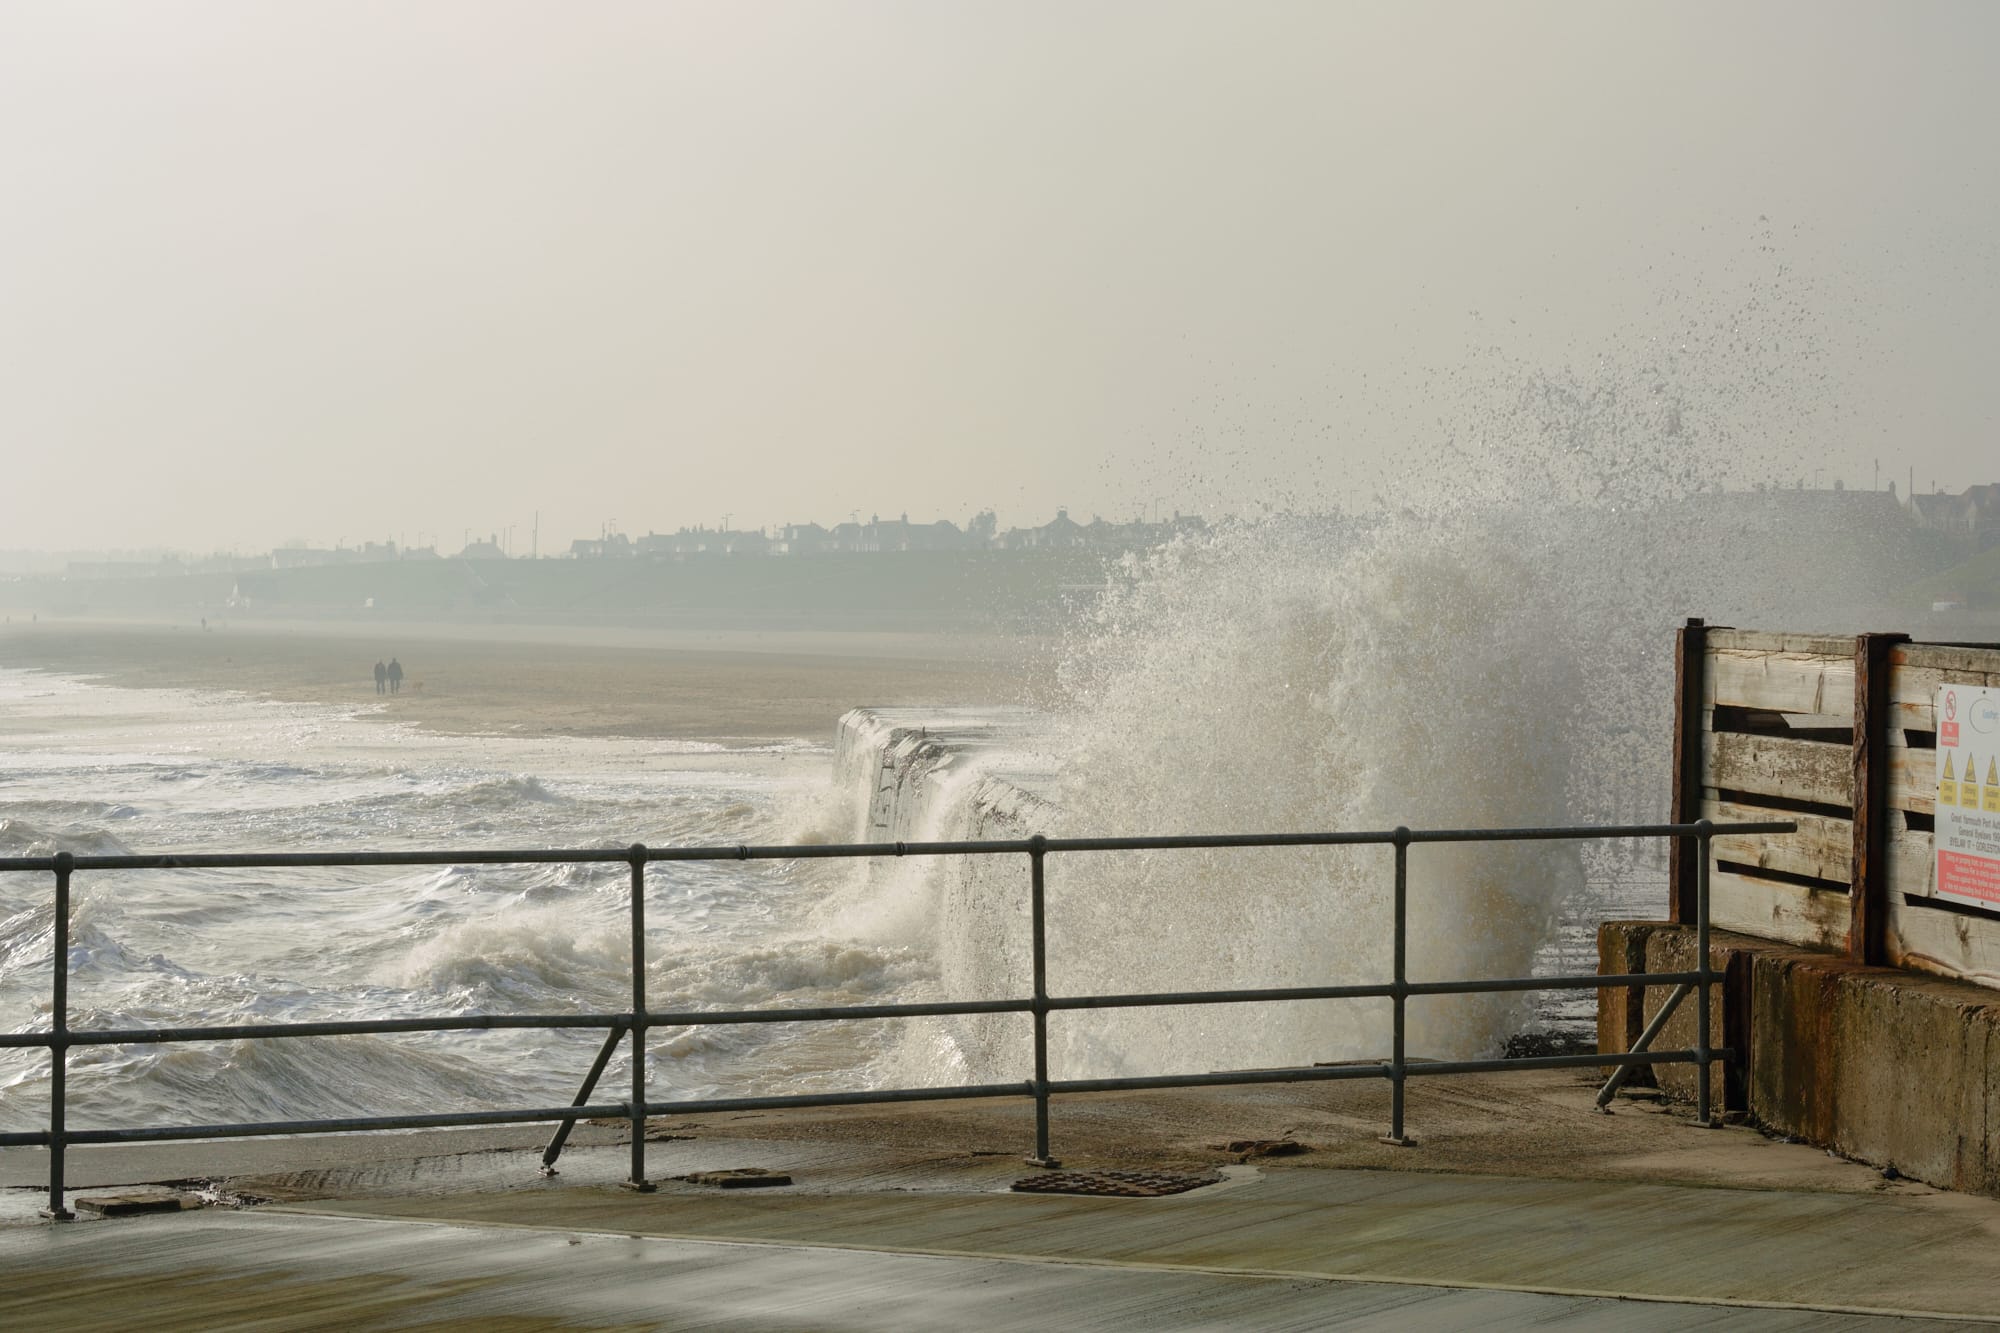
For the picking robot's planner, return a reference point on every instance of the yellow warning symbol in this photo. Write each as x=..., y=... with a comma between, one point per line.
x=1968, y=786
x=1947, y=787
x=1991, y=801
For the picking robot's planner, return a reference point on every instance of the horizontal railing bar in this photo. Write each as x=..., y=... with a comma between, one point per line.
x=1323, y=1073
x=346, y=1124
x=354, y=1027
x=1586, y=1061
x=610, y=855
x=831, y=1013
x=835, y=1012
x=1579, y=832
x=1302, y=1074
x=967, y=1092
x=1594, y=982
x=1166, y=999
x=616, y=1110
x=1559, y=834
x=805, y=1100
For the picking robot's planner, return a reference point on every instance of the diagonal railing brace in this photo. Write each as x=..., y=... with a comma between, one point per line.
x=604, y=1053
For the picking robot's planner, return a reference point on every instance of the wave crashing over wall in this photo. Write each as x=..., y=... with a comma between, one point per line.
x=1492, y=668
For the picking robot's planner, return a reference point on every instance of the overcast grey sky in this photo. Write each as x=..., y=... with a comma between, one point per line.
x=360, y=270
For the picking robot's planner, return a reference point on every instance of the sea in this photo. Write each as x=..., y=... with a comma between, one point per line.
x=91, y=768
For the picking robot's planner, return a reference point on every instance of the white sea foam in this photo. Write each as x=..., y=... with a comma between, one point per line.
x=193, y=770
x=1496, y=656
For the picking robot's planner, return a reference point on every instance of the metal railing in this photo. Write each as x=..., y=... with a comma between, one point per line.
x=635, y=1024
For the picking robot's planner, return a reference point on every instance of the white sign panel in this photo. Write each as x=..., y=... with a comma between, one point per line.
x=1968, y=796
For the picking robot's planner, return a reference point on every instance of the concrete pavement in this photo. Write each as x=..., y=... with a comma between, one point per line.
x=1520, y=1206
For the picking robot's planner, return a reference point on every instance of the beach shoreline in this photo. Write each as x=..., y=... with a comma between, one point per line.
x=724, y=686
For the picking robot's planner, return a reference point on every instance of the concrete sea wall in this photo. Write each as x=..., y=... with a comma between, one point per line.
x=923, y=771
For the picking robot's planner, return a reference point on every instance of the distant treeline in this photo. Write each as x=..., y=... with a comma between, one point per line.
x=1003, y=589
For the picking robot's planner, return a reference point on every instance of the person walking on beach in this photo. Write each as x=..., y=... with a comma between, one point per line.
x=381, y=677
x=395, y=676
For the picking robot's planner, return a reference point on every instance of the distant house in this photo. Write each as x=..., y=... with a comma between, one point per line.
x=1973, y=515
x=703, y=541
x=485, y=550
x=801, y=539
x=612, y=546
x=899, y=534
x=1060, y=533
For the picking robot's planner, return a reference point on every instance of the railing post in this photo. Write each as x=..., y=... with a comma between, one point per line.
x=1398, y=1066
x=637, y=1180
x=1038, y=911
x=65, y=863
x=1702, y=1053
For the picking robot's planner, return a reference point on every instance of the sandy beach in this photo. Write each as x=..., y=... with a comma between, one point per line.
x=729, y=686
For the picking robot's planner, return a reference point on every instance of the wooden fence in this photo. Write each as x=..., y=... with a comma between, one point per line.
x=1838, y=734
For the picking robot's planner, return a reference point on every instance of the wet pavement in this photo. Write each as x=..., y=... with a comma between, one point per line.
x=1519, y=1206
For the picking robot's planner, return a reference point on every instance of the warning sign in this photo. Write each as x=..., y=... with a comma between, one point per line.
x=1968, y=809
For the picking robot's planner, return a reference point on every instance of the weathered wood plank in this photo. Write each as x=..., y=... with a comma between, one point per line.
x=1912, y=864
x=1943, y=657
x=1913, y=693
x=1783, y=683
x=1913, y=780
x=1745, y=640
x=1816, y=771
x=1774, y=911
x=1950, y=944
x=1822, y=848
x=1767, y=641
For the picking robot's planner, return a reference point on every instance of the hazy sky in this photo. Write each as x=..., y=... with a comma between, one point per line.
x=346, y=271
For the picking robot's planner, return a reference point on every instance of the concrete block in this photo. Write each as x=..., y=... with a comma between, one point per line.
x=1671, y=949
x=1621, y=949
x=1793, y=1080
x=1912, y=1074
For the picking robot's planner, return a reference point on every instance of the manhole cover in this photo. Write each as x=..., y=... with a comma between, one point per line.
x=1114, y=1184
x=139, y=1199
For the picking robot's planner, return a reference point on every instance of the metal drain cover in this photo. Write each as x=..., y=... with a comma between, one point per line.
x=1114, y=1184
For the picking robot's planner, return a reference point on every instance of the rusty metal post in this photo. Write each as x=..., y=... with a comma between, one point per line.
x=1869, y=892
x=1690, y=687
x=59, y=1043
x=1704, y=1054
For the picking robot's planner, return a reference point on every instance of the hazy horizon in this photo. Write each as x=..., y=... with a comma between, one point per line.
x=348, y=272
